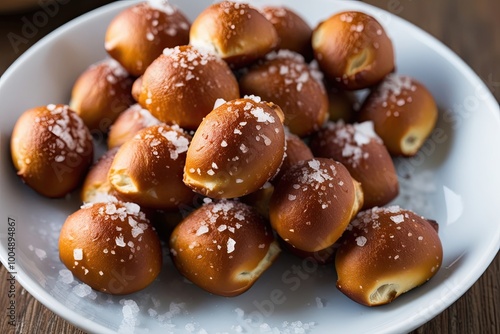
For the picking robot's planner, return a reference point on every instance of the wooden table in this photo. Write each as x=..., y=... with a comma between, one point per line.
x=469, y=28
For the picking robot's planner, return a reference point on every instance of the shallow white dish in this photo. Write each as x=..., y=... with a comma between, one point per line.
x=452, y=180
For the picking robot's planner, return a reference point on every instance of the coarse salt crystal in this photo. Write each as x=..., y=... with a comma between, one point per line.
x=78, y=254
x=253, y=98
x=59, y=158
x=262, y=116
x=230, y=245
x=314, y=164
x=243, y=148
x=82, y=290
x=130, y=310
x=180, y=142
x=202, y=230
x=397, y=219
x=393, y=209
x=394, y=85
x=40, y=253
x=361, y=241
x=267, y=141
x=152, y=312
x=283, y=70
x=219, y=102
x=162, y=5
x=119, y=241
x=66, y=276
x=364, y=132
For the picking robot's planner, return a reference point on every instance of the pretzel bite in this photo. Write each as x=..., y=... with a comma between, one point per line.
x=353, y=50
x=223, y=247
x=51, y=149
x=313, y=203
x=364, y=155
x=238, y=147
x=138, y=34
x=294, y=33
x=147, y=169
x=285, y=79
x=234, y=31
x=111, y=246
x=101, y=93
x=182, y=85
x=126, y=126
x=385, y=253
x=403, y=112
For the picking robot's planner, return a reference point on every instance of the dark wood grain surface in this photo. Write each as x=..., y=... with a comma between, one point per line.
x=470, y=28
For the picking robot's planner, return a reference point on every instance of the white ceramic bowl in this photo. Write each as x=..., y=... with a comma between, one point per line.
x=453, y=180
